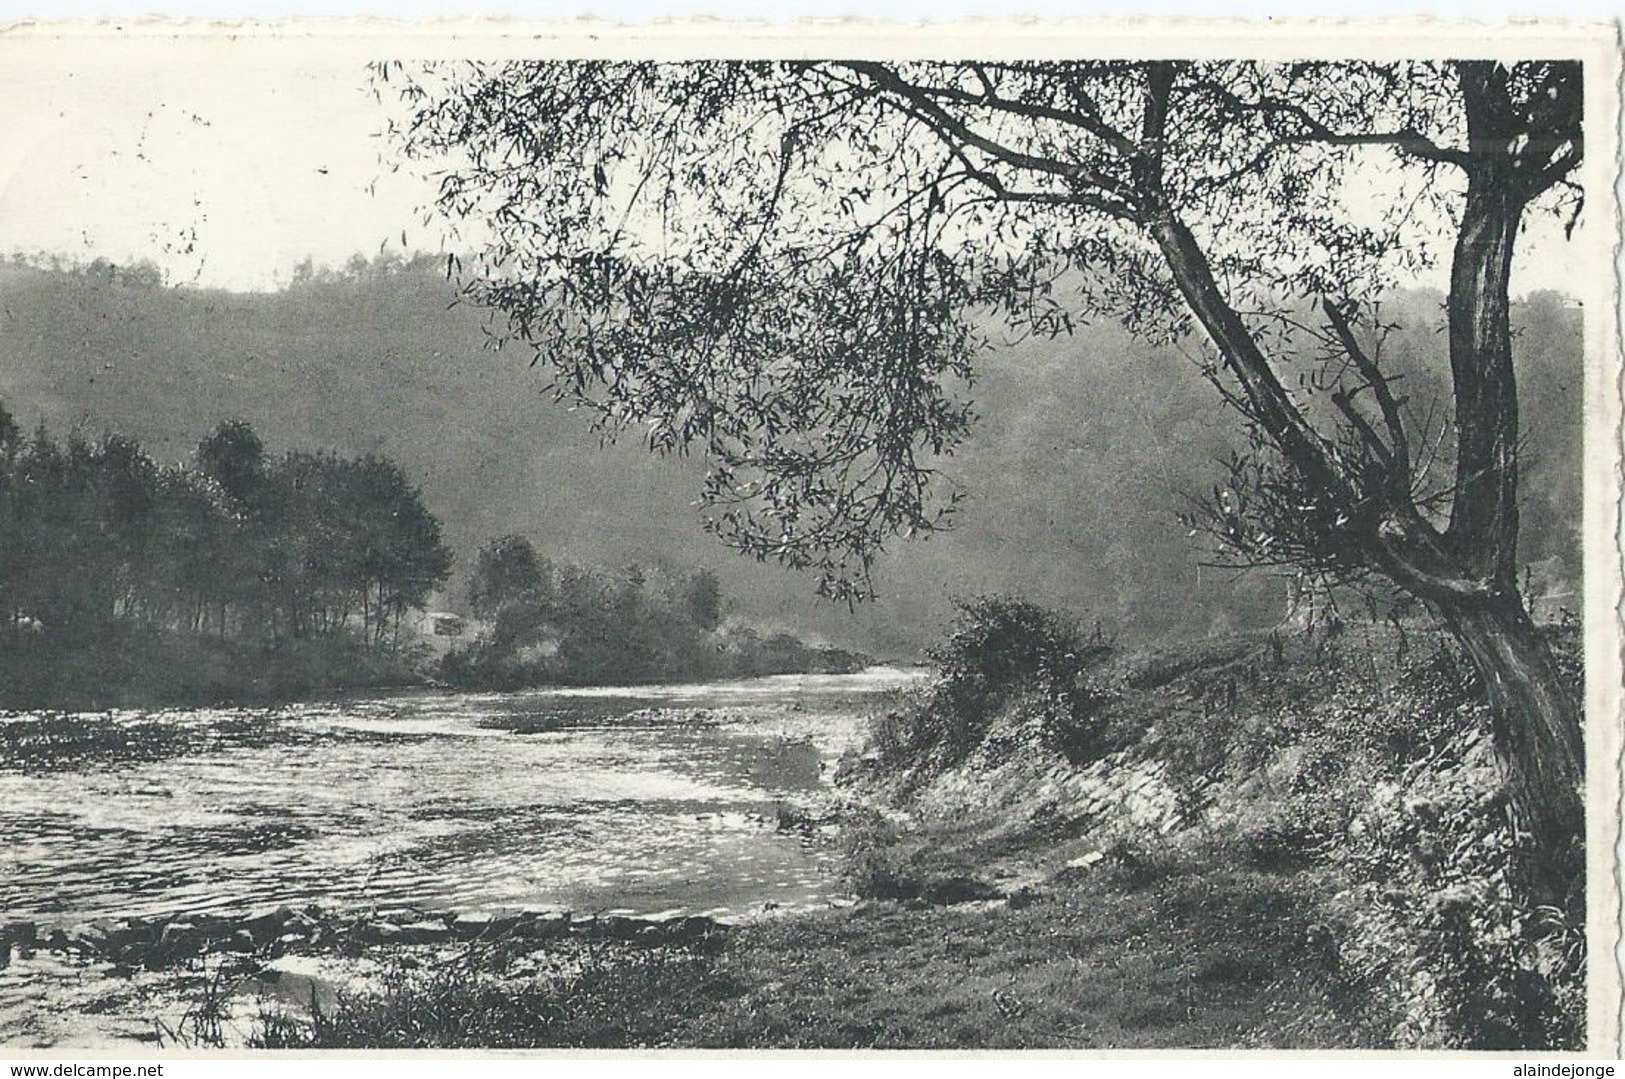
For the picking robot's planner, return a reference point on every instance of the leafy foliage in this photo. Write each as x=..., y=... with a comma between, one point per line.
x=100, y=546
x=581, y=625
x=506, y=571
x=1008, y=671
x=789, y=265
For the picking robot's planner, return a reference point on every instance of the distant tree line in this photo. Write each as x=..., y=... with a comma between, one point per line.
x=565, y=623
x=141, y=273
x=100, y=545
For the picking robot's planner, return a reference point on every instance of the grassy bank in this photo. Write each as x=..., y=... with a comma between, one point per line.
x=1188, y=958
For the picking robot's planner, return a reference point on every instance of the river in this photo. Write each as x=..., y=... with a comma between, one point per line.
x=644, y=800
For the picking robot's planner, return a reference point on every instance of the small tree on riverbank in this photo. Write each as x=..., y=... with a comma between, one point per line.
x=508, y=570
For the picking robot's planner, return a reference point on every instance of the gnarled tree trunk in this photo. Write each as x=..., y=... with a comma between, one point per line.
x=1537, y=727
x=1537, y=736
x=1466, y=572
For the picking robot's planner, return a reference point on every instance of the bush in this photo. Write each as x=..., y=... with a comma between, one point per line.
x=1000, y=645
x=875, y=865
x=583, y=626
x=1012, y=675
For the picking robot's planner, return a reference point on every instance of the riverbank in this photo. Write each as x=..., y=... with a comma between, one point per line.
x=147, y=667
x=1255, y=842
x=1102, y=956
x=1258, y=842
x=150, y=668
x=989, y=936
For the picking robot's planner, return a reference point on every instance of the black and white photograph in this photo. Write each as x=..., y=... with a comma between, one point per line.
x=1076, y=536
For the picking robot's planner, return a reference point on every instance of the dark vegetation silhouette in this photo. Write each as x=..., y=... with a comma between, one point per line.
x=574, y=624
x=1002, y=653
x=248, y=576
x=242, y=575
x=789, y=267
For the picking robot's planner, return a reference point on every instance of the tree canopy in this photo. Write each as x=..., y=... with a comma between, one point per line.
x=793, y=267
x=96, y=537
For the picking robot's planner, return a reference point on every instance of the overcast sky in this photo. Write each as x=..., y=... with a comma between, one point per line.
x=268, y=165
x=229, y=173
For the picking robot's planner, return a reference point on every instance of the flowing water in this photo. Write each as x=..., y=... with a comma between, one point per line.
x=637, y=800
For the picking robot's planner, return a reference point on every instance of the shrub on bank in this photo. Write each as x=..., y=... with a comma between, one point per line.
x=567, y=624
x=1358, y=765
x=875, y=864
x=1011, y=676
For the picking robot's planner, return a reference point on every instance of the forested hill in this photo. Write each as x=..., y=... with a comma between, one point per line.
x=1074, y=474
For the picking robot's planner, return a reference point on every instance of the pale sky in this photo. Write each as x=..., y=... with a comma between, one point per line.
x=269, y=165
x=267, y=159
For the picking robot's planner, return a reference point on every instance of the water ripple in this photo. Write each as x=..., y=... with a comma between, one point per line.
x=428, y=799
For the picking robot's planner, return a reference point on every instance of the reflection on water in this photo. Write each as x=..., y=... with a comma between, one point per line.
x=637, y=800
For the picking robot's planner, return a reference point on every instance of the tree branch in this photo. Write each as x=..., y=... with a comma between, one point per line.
x=950, y=128
x=1408, y=139
x=1087, y=121
x=1398, y=445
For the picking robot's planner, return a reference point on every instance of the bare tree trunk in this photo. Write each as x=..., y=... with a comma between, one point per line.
x=1537, y=726
x=1483, y=531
